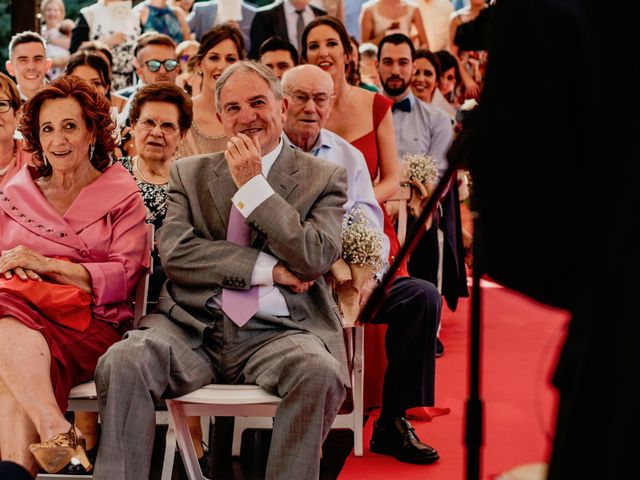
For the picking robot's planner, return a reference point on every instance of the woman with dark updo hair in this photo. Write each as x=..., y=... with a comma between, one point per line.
x=221, y=47
x=74, y=223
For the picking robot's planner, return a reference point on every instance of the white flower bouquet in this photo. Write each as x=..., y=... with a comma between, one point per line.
x=420, y=168
x=361, y=258
x=421, y=174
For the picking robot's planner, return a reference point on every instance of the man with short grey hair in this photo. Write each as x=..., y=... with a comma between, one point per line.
x=248, y=235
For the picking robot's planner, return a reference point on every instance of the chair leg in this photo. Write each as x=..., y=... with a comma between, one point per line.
x=169, y=451
x=238, y=428
x=358, y=391
x=188, y=453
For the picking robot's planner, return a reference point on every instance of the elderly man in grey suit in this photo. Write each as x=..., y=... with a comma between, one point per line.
x=248, y=235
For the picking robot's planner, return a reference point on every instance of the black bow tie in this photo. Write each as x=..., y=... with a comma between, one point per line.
x=403, y=106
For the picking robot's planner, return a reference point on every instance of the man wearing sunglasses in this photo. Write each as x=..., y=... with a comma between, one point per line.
x=155, y=61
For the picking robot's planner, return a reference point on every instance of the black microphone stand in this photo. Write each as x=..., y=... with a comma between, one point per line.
x=458, y=157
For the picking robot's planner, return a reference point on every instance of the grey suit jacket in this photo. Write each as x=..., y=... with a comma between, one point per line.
x=203, y=16
x=300, y=225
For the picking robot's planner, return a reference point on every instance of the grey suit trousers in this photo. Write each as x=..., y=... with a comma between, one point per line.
x=152, y=364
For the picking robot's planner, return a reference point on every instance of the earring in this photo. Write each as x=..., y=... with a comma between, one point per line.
x=44, y=160
x=92, y=148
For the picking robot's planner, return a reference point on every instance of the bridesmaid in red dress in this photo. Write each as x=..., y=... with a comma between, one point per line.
x=363, y=118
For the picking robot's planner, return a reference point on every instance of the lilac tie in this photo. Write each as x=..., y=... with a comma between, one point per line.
x=239, y=305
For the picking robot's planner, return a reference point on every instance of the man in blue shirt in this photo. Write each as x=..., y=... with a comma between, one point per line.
x=412, y=306
x=421, y=128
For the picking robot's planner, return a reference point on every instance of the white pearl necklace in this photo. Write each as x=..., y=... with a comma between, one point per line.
x=135, y=160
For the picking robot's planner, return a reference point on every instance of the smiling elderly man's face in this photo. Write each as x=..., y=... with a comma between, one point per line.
x=247, y=105
x=310, y=94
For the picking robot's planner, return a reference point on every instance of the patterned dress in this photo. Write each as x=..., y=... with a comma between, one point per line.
x=154, y=197
x=163, y=20
x=103, y=21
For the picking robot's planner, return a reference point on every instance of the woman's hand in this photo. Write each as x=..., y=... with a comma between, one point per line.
x=23, y=262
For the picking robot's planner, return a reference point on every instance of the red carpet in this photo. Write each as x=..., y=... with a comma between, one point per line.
x=520, y=345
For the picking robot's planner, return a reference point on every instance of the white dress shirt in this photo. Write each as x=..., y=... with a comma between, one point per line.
x=247, y=199
x=292, y=21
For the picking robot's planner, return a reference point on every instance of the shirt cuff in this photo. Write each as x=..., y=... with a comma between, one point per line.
x=263, y=269
x=252, y=194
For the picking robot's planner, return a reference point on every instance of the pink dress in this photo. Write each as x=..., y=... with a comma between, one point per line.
x=22, y=158
x=104, y=230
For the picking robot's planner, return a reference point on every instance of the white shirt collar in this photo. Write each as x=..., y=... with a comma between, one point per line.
x=269, y=159
x=289, y=9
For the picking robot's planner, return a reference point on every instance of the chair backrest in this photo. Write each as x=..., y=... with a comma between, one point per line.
x=399, y=202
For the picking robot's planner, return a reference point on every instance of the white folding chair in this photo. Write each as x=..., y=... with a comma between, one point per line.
x=400, y=201
x=253, y=407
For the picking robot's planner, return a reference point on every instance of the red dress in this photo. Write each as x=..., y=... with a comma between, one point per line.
x=374, y=347
x=368, y=145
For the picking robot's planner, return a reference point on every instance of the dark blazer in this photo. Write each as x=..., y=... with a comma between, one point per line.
x=270, y=22
x=300, y=225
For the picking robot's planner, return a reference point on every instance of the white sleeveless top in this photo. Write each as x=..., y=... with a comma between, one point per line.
x=382, y=24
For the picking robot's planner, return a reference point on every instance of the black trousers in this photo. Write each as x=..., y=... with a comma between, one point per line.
x=411, y=311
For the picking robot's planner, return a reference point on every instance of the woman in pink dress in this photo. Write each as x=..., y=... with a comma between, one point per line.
x=77, y=221
x=12, y=155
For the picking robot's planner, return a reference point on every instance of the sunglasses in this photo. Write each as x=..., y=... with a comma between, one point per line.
x=154, y=65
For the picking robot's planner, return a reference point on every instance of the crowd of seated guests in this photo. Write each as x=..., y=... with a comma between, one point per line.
x=104, y=110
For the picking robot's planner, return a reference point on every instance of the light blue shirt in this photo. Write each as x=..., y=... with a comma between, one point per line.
x=335, y=149
x=352, y=11
x=425, y=129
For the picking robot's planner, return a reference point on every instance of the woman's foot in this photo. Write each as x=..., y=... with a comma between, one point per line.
x=56, y=452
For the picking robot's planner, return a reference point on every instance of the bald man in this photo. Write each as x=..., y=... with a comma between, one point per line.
x=412, y=306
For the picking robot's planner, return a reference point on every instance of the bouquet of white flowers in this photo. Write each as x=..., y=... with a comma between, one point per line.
x=421, y=174
x=361, y=259
x=361, y=243
x=420, y=168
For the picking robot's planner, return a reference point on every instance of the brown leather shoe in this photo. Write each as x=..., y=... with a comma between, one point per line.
x=399, y=439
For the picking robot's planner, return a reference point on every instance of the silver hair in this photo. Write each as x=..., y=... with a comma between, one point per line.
x=259, y=69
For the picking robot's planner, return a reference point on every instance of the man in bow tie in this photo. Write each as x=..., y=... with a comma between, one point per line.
x=248, y=236
x=421, y=128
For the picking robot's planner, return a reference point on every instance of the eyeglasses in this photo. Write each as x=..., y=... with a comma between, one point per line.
x=154, y=65
x=301, y=98
x=168, y=128
x=5, y=105
x=185, y=58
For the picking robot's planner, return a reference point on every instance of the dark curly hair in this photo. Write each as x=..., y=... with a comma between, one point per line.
x=96, y=113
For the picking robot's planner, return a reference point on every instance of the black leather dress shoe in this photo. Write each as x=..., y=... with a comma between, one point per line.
x=399, y=439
